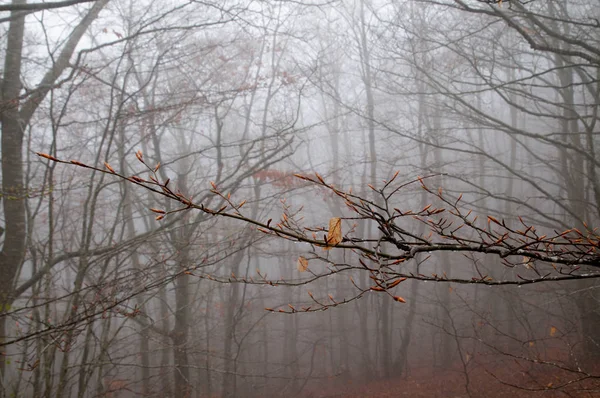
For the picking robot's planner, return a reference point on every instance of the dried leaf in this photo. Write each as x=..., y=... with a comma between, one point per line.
x=399, y=299
x=302, y=264
x=334, y=236
x=552, y=331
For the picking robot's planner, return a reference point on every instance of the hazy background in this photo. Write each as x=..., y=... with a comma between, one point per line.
x=106, y=301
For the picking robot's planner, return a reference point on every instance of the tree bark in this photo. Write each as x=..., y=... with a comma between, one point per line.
x=14, y=117
x=13, y=248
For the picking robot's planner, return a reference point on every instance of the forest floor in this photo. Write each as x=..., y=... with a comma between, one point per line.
x=505, y=381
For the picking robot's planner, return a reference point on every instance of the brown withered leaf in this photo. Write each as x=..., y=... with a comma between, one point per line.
x=302, y=264
x=334, y=236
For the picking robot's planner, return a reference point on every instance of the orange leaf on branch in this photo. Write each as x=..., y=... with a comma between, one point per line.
x=334, y=236
x=302, y=264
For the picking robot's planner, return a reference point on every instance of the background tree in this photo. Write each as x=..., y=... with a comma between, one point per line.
x=215, y=106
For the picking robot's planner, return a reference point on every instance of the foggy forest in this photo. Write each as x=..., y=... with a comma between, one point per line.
x=290, y=198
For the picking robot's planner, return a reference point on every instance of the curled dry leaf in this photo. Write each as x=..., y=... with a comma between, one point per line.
x=334, y=236
x=302, y=264
x=399, y=299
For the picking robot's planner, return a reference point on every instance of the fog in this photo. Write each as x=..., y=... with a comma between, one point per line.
x=353, y=198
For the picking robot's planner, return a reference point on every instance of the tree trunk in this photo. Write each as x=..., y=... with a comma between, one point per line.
x=13, y=198
x=179, y=334
x=14, y=118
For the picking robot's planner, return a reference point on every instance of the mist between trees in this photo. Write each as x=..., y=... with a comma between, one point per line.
x=311, y=199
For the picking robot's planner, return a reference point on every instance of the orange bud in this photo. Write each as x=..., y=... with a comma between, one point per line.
x=109, y=168
x=45, y=155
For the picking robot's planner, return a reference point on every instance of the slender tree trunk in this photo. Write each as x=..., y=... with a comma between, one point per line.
x=402, y=354
x=165, y=325
x=14, y=118
x=144, y=347
x=229, y=378
x=13, y=198
x=179, y=334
